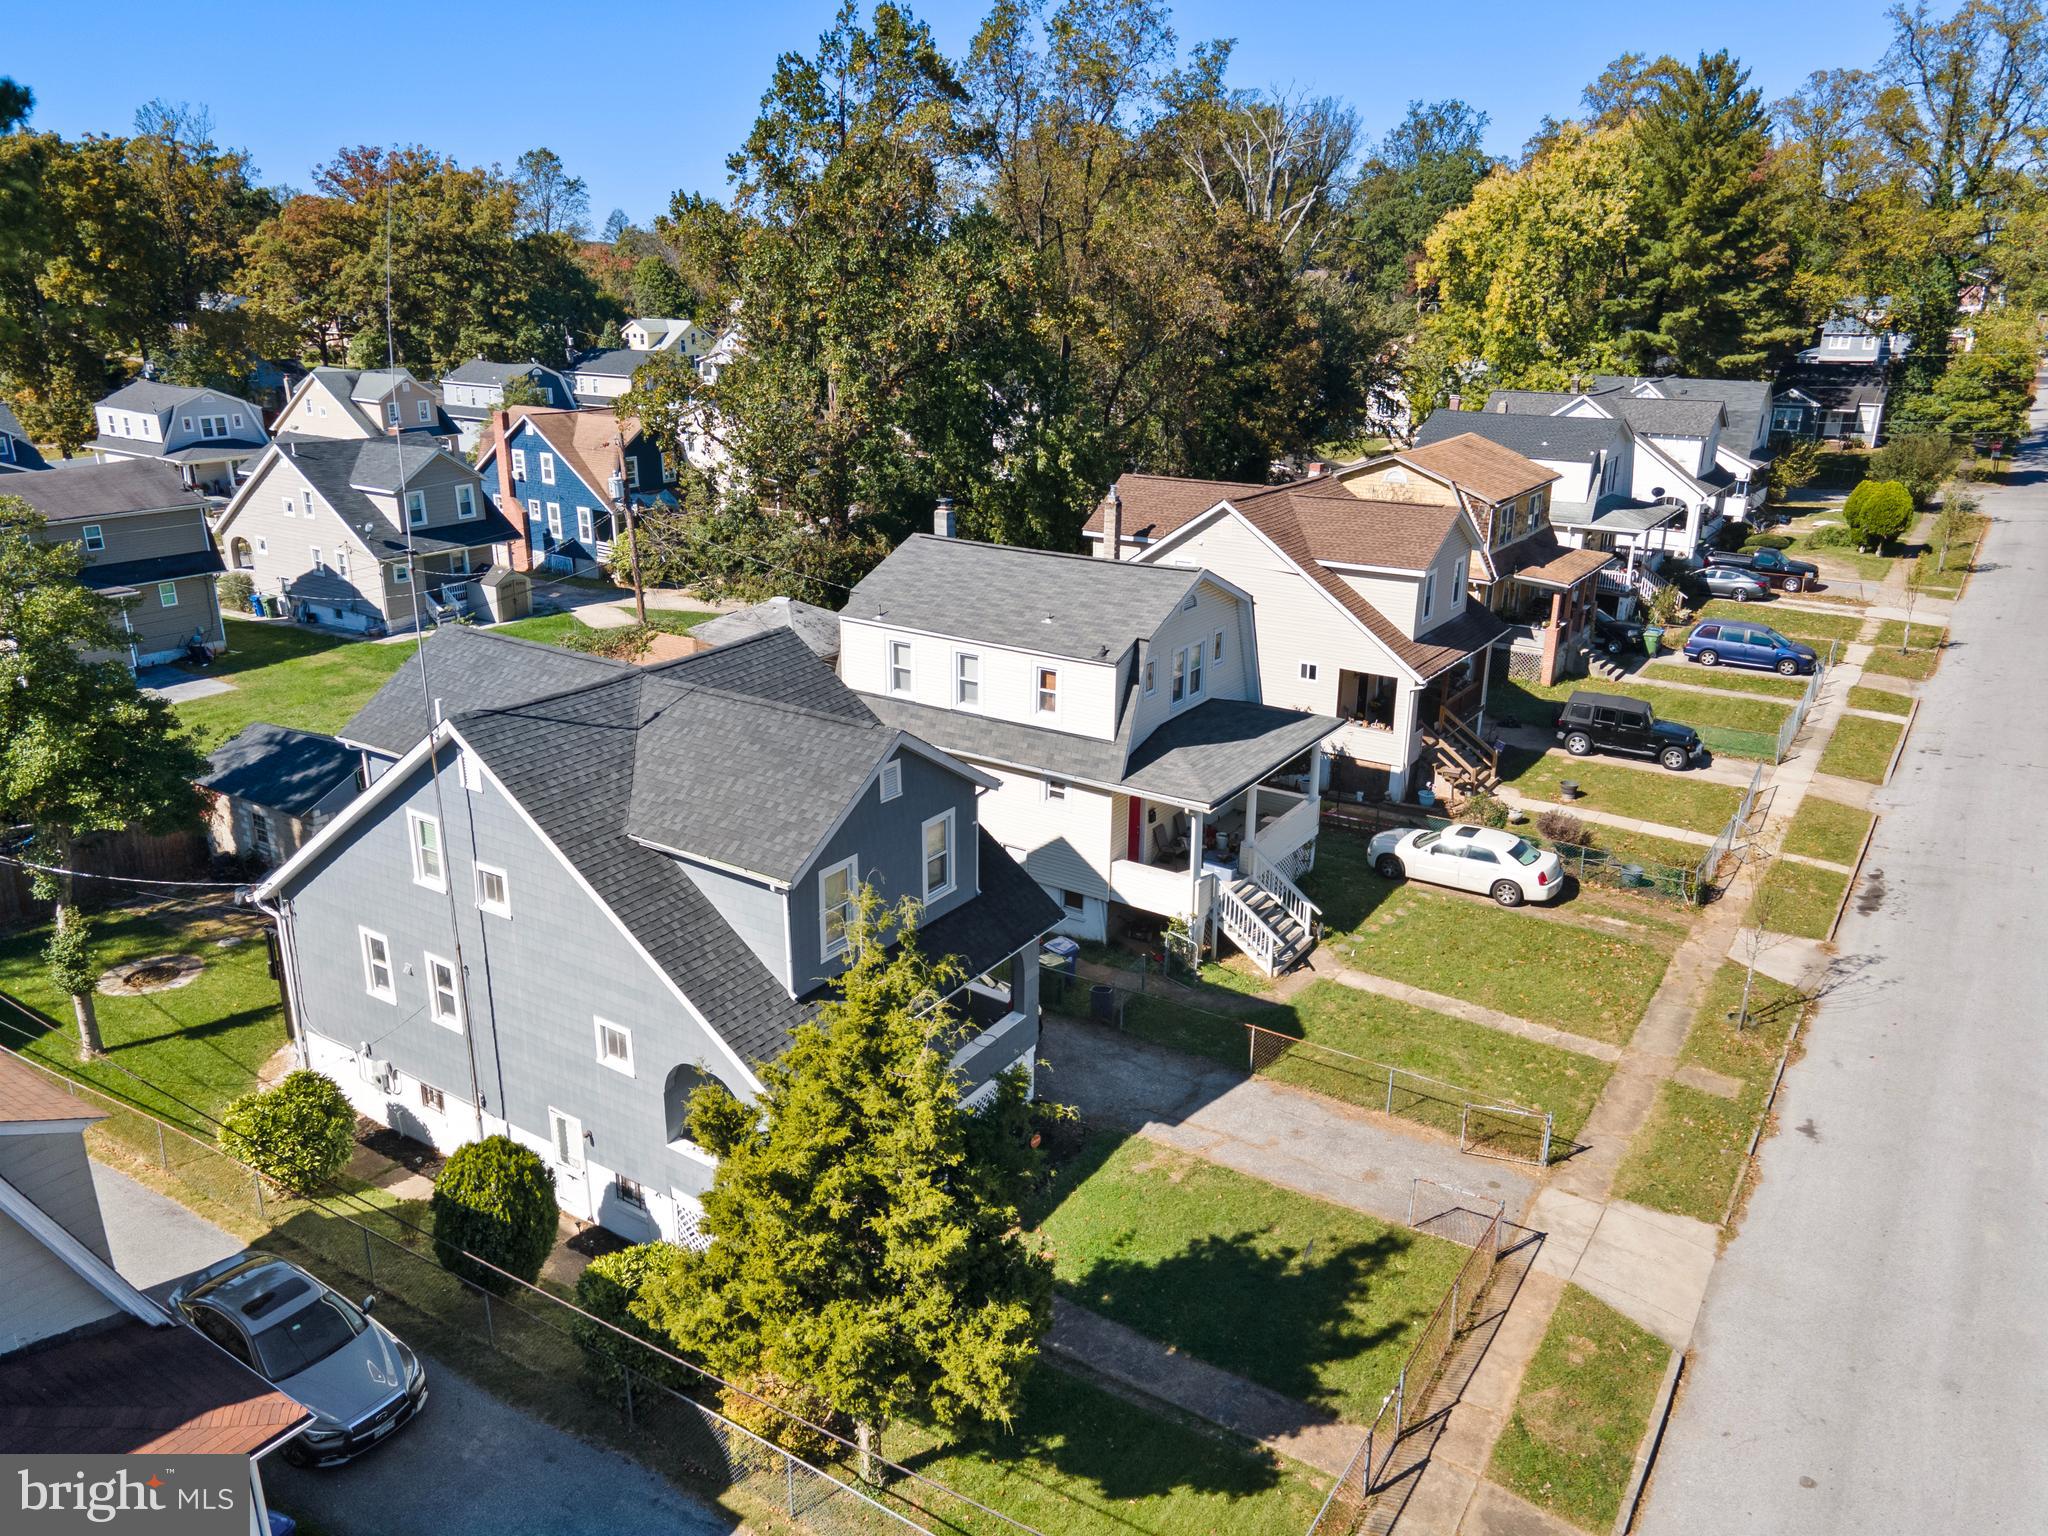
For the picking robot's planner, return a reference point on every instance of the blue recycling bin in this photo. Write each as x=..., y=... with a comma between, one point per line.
x=1066, y=952
x=256, y=604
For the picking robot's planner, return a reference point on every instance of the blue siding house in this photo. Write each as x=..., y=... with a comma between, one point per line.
x=16, y=451
x=556, y=471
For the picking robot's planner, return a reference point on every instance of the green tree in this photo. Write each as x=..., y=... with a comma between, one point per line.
x=300, y=1133
x=1426, y=167
x=658, y=289
x=1794, y=465
x=494, y=1200
x=551, y=201
x=523, y=389
x=866, y=1239
x=1878, y=510
x=82, y=750
x=1920, y=461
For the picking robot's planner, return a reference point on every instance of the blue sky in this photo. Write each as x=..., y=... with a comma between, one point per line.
x=643, y=97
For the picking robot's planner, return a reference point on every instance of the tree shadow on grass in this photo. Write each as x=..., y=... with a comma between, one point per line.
x=1343, y=883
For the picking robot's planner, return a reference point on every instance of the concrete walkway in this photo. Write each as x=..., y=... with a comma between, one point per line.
x=1327, y=966
x=1287, y=1136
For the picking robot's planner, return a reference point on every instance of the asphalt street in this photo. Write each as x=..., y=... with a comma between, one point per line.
x=1873, y=1355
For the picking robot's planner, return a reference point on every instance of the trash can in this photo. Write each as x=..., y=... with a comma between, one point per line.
x=256, y=604
x=1065, y=954
x=1102, y=1003
x=1653, y=639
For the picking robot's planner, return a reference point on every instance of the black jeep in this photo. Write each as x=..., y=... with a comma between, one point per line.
x=1606, y=722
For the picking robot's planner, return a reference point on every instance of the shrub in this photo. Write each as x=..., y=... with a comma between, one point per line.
x=234, y=590
x=299, y=1133
x=1834, y=536
x=1795, y=465
x=765, y=1406
x=494, y=1199
x=625, y=643
x=1920, y=461
x=1564, y=829
x=1767, y=541
x=1667, y=607
x=1487, y=810
x=609, y=1288
x=1879, y=510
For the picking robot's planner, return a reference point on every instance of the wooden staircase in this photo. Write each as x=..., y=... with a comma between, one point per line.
x=1266, y=915
x=1465, y=759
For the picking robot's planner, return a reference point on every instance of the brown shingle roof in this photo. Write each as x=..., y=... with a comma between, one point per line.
x=135, y=1389
x=584, y=438
x=26, y=1096
x=1155, y=505
x=1486, y=469
x=1542, y=561
x=1349, y=530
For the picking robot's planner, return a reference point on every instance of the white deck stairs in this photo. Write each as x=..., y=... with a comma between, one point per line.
x=1266, y=915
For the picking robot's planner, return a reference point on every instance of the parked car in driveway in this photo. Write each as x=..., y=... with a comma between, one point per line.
x=359, y=1381
x=1609, y=722
x=1728, y=581
x=1748, y=645
x=1617, y=636
x=1768, y=565
x=1508, y=868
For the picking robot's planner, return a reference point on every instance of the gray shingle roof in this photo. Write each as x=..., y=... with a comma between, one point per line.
x=1559, y=439
x=285, y=770
x=1745, y=400
x=1659, y=418
x=469, y=669
x=620, y=362
x=483, y=371
x=148, y=395
x=816, y=627
x=135, y=573
x=376, y=383
x=86, y=490
x=337, y=468
x=377, y=464
x=1031, y=599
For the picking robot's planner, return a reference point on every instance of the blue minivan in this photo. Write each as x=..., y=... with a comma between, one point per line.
x=1742, y=644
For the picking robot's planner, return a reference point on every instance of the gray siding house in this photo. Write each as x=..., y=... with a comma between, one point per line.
x=555, y=916
x=147, y=546
x=205, y=433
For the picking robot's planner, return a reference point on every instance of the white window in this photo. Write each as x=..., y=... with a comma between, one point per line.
x=938, y=856
x=1428, y=593
x=1195, y=670
x=633, y=471
x=899, y=666
x=434, y=1099
x=566, y=1134
x=213, y=426
x=1151, y=683
x=1308, y=671
x=1048, y=690
x=835, y=905
x=426, y=411
x=1216, y=654
x=533, y=509
x=290, y=508
x=547, y=469
x=614, y=1046
x=966, y=678
x=444, y=998
x=341, y=558
x=263, y=546
x=1055, y=789
x=427, y=866
x=314, y=552
x=519, y=463
x=238, y=418
x=493, y=891
x=554, y=520
x=465, y=501
x=391, y=412
x=167, y=594
x=892, y=781
x=95, y=538
x=377, y=966
x=416, y=508
x=586, y=526
x=401, y=574
x=1180, y=675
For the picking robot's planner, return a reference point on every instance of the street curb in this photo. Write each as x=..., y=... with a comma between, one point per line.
x=1899, y=751
x=1855, y=872
x=1653, y=1438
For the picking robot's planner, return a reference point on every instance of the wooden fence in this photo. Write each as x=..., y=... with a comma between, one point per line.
x=144, y=855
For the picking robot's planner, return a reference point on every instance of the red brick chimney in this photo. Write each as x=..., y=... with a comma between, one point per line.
x=515, y=514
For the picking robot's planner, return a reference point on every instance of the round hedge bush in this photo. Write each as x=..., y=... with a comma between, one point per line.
x=299, y=1133
x=234, y=590
x=494, y=1199
x=1879, y=510
x=609, y=1288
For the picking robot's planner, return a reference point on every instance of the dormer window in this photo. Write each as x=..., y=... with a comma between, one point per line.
x=391, y=412
x=835, y=906
x=967, y=680
x=899, y=666
x=938, y=856
x=1428, y=594
x=93, y=537
x=426, y=412
x=465, y=501
x=1048, y=691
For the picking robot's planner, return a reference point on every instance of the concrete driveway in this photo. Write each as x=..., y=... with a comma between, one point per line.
x=1873, y=1355
x=470, y=1465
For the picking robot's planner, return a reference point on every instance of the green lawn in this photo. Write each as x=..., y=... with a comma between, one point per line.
x=547, y=628
x=1868, y=567
x=1796, y=622
x=1954, y=571
x=1861, y=748
x=1725, y=678
x=1798, y=899
x=1883, y=700
x=1088, y=1462
x=290, y=674
x=1689, y=1153
x=1729, y=724
x=1892, y=635
x=1308, y=1298
x=1582, y=1411
x=1825, y=829
x=200, y=1044
x=1890, y=661
x=1587, y=979
x=1642, y=794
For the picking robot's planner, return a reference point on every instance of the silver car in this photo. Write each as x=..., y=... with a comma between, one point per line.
x=313, y=1344
x=1731, y=581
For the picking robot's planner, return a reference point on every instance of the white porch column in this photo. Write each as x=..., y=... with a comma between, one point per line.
x=1194, y=871
x=1405, y=701
x=1251, y=816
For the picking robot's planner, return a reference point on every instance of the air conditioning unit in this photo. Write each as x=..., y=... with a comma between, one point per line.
x=377, y=1072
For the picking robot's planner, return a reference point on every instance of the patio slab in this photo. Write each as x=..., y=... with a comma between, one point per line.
x=177, y=686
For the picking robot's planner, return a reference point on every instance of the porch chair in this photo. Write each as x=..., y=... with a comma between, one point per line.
x=1169, y=841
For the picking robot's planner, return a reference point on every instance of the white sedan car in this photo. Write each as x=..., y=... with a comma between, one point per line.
x=1508, y=868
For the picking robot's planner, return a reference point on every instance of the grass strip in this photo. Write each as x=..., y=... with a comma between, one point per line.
x=1861, y=748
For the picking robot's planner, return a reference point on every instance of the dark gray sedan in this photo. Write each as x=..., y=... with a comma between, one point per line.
x=314, y=1344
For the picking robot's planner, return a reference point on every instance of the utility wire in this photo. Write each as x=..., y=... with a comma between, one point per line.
x=87, y=874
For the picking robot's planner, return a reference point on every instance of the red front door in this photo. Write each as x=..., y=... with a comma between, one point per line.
x=1134, y=841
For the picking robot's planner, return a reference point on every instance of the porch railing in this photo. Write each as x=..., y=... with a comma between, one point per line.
x=1247, y=930
x=1273, y=880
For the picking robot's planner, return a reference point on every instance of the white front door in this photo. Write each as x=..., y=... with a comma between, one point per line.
x=565, y=1152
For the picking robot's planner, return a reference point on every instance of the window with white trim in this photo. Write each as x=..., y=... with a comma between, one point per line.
x=565, y=1136
x=966, y=679
x=519, y=463
x=1055, y=789
x=263, y=546
x=586, y=526
x=401, y=574
x=899, y=666
x=1151, y=682
x=213, y=426
x=1195, y=670
x=1180, y=676
x=836, y=887
x=493, y=891
x=614, y=1046
x=633, y=471
x=1308, y=671
x=167, y=594
x=93, y=537
x=465, y=501
x=423, y=833
x=1048, y=690
x=416, y=508
x=290, y=507
x=391, y=412
x=892, y=781
x=547, y=469
x=432, y=1098
x=377, y=979
x=1428, y=593
x=555, y=522
x=444, y=998
x=938, y=856
x=426, y=412
x=1217, y=654
x=313, y=551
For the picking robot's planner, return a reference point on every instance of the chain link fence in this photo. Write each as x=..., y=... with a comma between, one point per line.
x=1707, y=874
x=1796, y=721
x=652, y=1404
x=1423, y=1391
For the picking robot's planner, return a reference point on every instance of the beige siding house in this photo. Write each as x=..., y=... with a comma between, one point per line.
x=147, y=548
x=360, y=403
x=365, y=534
